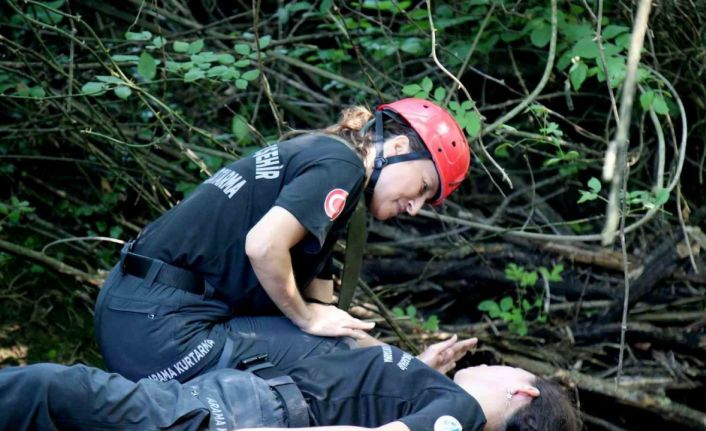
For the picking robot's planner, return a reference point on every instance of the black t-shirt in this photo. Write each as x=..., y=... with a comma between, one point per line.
x=377, y=385
x=317, y=178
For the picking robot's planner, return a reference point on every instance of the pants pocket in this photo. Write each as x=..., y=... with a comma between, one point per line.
x=148, y=310
x=135, y=335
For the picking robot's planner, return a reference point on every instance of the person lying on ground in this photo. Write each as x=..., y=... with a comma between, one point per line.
x=379, y=387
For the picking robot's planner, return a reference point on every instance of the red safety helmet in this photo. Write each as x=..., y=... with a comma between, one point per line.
x=441, y=134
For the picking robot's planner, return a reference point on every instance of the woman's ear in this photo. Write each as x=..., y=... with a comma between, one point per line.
x=397, y=145
x=525, y=391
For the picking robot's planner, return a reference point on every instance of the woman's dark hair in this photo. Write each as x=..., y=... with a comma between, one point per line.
x=552, y=410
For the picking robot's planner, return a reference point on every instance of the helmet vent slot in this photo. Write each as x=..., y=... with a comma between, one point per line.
x=426, y=106
x=453, y=143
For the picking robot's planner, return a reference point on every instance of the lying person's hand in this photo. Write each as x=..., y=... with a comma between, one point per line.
x=444, y=355
x=331, y=321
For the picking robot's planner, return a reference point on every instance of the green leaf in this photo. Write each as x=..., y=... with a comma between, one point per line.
x=385, y=5
x=242, y=63
x=623, y=41
x=125, y=58
x=616, y=70
x=242, y=49
x=660, y=105
x=529, y=279
x=173, y=66
x=397, y=312
x=194, y=75
x=142, y=36
x=241, y=84
x=122, y=92
x=240, y=129
x=661, y=197
x=646, y=99
x=195, y=46
x=37, y=92
x=264, y=41
x=325, y=6
x=586, y=196
x=411, y=89
x=159, y=42
x=488, y=305
x=513, y=272
x=427, y=84
x=506, y=304
x=577, y=74
x=594, y=184
x=526, y=306
x=541, y=35
x=116, y=231
x=93, y=88
x=411, y=45
x=250, y=74
x=439, y=94
x=472, y=124
x=180, y=46
x=431, y=324
x=217, y=71
x=411, y=310
x=109, y=79
x=225, y=59
x=147, y=66
x=586, y=48
x=204, y=57
x=613, y=30
x=502, y=150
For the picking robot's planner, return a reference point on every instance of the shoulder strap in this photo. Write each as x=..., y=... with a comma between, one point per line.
x=355, y=244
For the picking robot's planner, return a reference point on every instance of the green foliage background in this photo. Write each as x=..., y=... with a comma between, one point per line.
x=111, y=112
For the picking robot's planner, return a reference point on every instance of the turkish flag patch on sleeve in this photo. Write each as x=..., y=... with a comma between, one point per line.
x=335, y=202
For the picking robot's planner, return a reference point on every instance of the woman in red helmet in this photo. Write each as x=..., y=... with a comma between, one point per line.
x=202, y=285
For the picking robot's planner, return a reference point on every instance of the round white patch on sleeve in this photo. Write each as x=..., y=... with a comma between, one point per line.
x=447, y=423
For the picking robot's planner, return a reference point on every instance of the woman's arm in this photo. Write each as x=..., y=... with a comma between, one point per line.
x=267, y=246
x=392, y=426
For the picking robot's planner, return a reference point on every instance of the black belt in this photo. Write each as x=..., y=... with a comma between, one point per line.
x=296, y=408
x=140, y=266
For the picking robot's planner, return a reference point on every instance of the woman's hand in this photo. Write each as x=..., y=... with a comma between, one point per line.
x=443, y=356
x=330, y=321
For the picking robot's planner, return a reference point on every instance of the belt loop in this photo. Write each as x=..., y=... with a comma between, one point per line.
x=224, y=360
x=208, y=290
x=127, y=248
x=153, y=272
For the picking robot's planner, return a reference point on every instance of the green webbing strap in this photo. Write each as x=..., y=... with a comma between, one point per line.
x=352, y=261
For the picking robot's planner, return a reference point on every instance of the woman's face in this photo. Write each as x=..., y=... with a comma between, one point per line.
x=499, y=390
x=403, y=187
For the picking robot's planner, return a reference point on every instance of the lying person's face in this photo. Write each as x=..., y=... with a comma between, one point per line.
x=499, y=390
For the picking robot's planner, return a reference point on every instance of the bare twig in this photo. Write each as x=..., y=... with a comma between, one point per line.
x=613, y=169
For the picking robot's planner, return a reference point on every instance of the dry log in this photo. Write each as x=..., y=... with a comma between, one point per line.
x=604, y=258
x=473, y=271
x=50, y=262
x=659, y=265
x=671, y=338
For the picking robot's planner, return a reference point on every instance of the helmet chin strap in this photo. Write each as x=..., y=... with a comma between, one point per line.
x=380, y=160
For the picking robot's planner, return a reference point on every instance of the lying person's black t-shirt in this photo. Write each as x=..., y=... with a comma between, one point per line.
x=377, y=385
